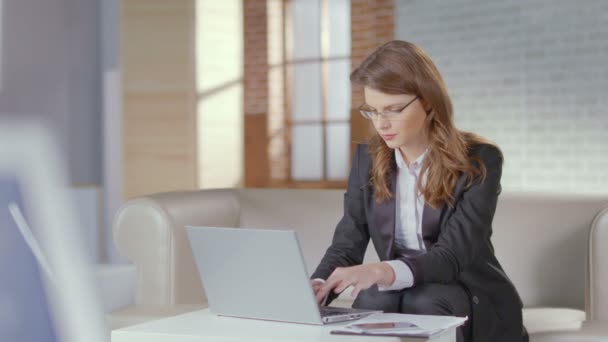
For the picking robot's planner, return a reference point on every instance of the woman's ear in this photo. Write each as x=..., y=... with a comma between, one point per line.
x=426, y=106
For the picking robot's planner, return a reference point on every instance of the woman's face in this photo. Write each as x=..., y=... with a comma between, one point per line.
x=403, y=129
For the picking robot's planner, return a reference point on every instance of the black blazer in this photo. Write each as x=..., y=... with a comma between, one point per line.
x=457, y=240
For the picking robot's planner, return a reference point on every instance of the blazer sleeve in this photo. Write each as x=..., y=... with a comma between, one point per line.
x=466, y=230
x=351, y=235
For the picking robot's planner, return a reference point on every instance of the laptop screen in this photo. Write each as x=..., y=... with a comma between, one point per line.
x=24, y=310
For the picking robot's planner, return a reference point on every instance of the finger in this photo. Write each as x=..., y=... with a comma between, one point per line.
x=344, y=284
x=355, y=292
x=341, y=287
x=336, y=275
x=360, y=287
x=332, y=282
x=337, y=270
x=322, y=301
x=327, y=287
x=320, y=297
x=334, y=278
x=321, y=294
x=316, y=282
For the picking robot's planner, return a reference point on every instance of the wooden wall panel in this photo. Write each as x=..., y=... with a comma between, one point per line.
x=257, y=166
x=159, y=122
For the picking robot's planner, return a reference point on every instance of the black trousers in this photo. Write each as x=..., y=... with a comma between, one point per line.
x=425, y=299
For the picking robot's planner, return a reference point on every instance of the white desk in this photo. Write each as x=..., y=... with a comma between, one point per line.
x=201, y=326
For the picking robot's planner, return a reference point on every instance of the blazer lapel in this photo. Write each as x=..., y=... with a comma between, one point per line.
x=430, y=224
x=458, y=189
x=384, y=217
x=432, y=219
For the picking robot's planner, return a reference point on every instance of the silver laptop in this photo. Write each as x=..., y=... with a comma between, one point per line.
x=259, y=274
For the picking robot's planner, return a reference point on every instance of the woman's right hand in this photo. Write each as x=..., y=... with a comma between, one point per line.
x=316, y=286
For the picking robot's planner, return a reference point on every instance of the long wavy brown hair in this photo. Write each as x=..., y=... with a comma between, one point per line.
x=400, y=67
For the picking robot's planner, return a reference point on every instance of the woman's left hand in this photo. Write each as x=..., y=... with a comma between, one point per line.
x=362, y=277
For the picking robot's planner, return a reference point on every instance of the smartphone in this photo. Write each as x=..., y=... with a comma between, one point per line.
x=384, y=326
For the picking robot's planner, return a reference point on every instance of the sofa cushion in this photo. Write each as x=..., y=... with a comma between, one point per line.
x=594, y=331
x=538, y=320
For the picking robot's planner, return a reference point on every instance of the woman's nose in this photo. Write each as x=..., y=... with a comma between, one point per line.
x=381, y=122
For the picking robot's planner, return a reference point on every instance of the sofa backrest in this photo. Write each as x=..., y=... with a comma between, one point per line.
x=541, y=240
x=542, y=243
x=313, y=214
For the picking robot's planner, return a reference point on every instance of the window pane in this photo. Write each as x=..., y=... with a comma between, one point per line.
x=306, y=152
x=306, y=92
x=219, y=65
x=219, y=41
x=338, y=90
x=339, y=27
x=338, y=151
x=276, y=100
x=306, y=38
x=220, y=139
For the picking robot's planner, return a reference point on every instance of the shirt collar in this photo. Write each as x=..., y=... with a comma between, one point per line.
x=417, y=164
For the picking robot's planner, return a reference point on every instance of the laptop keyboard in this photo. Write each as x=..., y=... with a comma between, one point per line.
x=329, y=312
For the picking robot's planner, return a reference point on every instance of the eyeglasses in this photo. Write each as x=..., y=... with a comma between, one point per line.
x=391, y=114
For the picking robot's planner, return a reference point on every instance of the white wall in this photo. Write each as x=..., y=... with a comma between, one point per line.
x=531, y=75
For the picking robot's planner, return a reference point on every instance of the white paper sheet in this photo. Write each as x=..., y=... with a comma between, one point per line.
x=427, y=325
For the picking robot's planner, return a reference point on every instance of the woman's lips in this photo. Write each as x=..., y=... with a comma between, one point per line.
x=388, y=136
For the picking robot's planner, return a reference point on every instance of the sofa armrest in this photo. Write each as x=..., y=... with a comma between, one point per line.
x=150, y=232
x=597, y=293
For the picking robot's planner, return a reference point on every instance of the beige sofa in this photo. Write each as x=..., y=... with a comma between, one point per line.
x=554, y=248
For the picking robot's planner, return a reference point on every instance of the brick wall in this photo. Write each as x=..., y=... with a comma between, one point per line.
x=372, y=24
x=256, y=56
x=278, y=148
x=530, y=75
x=255, y=101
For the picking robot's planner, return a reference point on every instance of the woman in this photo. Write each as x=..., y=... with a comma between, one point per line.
x=425, y=193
